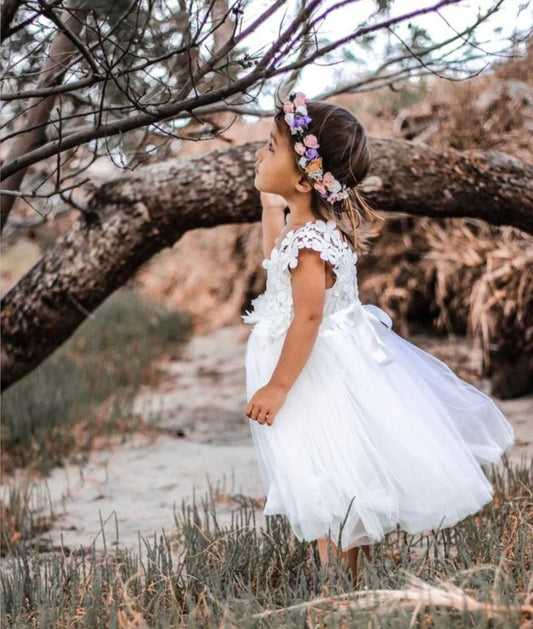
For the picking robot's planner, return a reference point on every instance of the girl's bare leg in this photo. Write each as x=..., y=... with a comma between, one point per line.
x=348, y=557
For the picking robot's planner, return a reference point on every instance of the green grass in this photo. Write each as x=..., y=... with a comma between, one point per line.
x=106, y=360
x=240, y=575
x=84, y=391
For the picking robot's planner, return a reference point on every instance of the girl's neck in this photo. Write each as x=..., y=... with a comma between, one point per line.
x=296, y=218
x=296, y=224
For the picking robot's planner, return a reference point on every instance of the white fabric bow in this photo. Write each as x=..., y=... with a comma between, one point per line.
x=373, y=324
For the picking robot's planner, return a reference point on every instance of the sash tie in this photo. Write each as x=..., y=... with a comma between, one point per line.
x=371, y=322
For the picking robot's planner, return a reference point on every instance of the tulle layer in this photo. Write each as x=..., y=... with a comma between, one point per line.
x=375, y=432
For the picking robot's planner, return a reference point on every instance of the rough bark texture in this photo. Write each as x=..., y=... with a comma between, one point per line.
x=420, y=180
x=133, y=217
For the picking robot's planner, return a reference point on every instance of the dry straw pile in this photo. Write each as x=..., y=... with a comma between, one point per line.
x=465, y=276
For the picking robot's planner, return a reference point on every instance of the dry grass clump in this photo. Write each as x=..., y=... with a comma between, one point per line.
x=417, y=595
x=494, y=118
x=460, y=276
x=488, y=112
x=238, y=575
x=488, y=285
x=519, y=69
x=489, y=271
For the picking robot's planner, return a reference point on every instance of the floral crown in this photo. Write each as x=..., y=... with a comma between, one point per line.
x=306, y=145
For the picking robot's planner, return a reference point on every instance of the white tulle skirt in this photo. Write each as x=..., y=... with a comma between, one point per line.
x=375, y=432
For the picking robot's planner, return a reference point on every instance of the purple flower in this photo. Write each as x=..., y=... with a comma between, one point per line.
x=301, y=121
x=311, y=153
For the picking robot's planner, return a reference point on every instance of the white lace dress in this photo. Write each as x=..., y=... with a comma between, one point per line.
x=374, y=432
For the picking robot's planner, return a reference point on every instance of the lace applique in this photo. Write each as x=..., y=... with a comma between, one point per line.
x=272, y=311
x=322, y=237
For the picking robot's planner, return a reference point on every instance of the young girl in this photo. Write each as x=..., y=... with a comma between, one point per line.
x=356, y=430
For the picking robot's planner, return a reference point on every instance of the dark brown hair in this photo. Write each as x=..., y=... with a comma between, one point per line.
x=345, y=152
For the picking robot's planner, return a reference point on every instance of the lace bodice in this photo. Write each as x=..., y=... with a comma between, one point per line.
x=272, y=311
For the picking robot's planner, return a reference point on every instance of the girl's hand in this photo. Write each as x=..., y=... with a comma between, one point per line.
x=271, y=201
x=265, y=403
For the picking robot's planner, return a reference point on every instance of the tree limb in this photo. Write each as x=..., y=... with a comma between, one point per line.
x=130, y=219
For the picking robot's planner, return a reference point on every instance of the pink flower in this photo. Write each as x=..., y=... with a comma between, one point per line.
x=311, y=141
x=328, y=179
x=288, y=107
x=299, y=148
x=318, y=186
x=300, y=99
x=333, y=197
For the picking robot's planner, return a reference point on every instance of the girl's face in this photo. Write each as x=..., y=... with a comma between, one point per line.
x=276, y=170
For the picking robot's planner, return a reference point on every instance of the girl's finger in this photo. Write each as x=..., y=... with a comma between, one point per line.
x=261, y=415
x=265, y=415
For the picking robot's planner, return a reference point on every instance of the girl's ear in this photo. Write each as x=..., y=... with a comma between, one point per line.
x=304, y=185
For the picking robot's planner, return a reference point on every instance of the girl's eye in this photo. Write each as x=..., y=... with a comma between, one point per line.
x=270, y=145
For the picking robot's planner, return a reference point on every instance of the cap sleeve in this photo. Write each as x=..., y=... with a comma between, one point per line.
x=318, y=236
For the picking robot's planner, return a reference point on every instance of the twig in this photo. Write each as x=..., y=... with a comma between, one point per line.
x=420, y=594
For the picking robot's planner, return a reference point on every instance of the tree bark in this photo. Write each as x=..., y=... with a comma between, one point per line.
x=131, y=218
x=421, y=180
x=8, y=11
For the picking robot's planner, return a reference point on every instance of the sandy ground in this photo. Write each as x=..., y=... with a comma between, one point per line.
x=203, y=444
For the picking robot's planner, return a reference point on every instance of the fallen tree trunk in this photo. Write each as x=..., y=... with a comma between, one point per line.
x=131, y=218
x=424, y=181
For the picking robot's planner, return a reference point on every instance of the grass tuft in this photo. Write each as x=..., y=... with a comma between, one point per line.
x=236, y=574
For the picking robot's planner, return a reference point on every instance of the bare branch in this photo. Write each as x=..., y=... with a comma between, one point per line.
x=69, y=34
x=135, y=87
x=364, y=31
x=153, y=114
x=35, y=195
x=39, y=111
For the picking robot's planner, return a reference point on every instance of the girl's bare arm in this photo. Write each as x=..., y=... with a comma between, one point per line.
x=308, y=280
x=272, y=220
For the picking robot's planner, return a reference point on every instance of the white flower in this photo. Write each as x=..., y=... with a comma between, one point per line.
x=316, y=174
x=343, y=194
x=289, y=119
x=335, y=186
x=330, y=228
